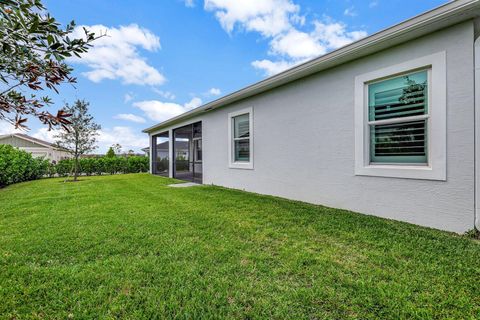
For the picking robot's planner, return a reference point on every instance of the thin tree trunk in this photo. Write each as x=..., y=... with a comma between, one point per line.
x=76, y=156
x=75, y=174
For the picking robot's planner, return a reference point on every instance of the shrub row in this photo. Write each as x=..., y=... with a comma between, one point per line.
x=17, y=166
x=102, y=165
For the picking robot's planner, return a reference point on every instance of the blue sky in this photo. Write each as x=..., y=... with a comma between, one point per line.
x=161, y=58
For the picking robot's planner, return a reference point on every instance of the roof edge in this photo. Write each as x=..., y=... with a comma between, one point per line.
x=422, y=24
x=33, y=140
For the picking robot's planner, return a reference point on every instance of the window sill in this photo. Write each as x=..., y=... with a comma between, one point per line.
x=402, y=171
x=241, y=165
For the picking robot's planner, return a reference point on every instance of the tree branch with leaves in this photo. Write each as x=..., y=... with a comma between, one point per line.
x=33, y=49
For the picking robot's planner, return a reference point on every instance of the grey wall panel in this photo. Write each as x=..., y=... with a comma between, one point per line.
x=304, y=142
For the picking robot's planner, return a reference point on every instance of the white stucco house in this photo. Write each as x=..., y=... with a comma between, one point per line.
x=388, y=125
x=37, y=147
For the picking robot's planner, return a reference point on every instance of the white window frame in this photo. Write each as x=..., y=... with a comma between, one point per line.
x=231, y=145
x=436, y=168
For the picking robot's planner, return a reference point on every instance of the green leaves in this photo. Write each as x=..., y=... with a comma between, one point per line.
x=32, y=53
x=50, y=39
x=80, y=130
x=18, y=166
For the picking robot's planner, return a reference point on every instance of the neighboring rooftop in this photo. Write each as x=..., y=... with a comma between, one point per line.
x=29, y=138
x=446, y=15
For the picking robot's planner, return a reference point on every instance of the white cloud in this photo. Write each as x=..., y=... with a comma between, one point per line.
x=333, y=35
x=268, y=17
x=192, y=104
x=214, y=92
x=271, y=68
x=128, y=97
x=116, y=55
x=281, y=22
x=164, y=94
x=297, y=45
x=130, y=117
x=373, y=4
x=350, y=12
x=160, y=111
x=189, y=3
x=7, y=128
x=45, y=134
x=127, y=137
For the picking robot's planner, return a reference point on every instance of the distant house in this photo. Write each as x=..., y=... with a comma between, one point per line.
x=160, y=161
x=162, y=149
x=388, y=125
x=38, y=148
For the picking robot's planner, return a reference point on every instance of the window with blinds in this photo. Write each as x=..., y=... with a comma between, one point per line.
x=398, y=119
x=241, y=138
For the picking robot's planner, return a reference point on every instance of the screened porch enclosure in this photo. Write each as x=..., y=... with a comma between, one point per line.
x=187, y=152
x=161, y=154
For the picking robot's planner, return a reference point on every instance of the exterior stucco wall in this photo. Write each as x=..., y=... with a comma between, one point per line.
x=304, y=141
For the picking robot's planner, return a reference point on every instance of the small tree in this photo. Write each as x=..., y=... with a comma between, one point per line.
x=117, y=148
x=33, y=49
x=110, y=153
x=80, y=136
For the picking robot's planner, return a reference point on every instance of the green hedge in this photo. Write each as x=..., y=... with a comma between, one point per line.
x=105, y=165
x=17, y=166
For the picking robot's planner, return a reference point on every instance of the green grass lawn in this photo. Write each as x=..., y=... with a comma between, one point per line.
x=128, y=246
